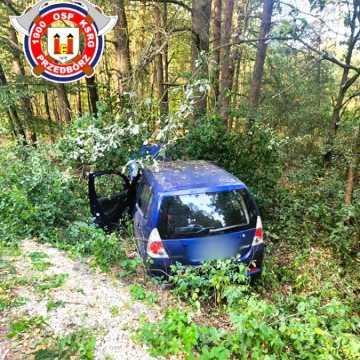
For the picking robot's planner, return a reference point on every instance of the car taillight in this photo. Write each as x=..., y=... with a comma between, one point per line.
x=259, y=235
x=155, y=246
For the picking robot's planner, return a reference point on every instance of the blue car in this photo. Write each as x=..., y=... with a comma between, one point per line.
x=187, y=212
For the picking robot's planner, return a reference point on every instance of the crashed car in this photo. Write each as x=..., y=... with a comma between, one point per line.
x=186, y=212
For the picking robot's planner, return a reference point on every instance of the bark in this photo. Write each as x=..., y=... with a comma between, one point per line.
x=258, y=71
x=122, y=48
x=93, y=93
x=48, y=115
x=79, y=101
x=166, y=61
x=353, y=171
x=242, y=26
x=216, y=47
x=345, y=84
x=12, y=125
x=226, y=68
x=159, y=63
x=14, y=119
x=63, y=103
x=55, y=110
x=19, y=70
x=201, y=12
x=108, y=81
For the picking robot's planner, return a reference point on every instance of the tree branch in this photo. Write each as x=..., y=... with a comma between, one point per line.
x=13, y=46
x=9, y=4
x=328, y=57
x=175, y=2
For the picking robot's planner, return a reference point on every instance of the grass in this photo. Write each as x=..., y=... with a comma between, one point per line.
x=51, y=282
x=23, y=325
x=138, y=292
x=53, y=304
x=39, y=261
x=115, y=311
x=77, y=345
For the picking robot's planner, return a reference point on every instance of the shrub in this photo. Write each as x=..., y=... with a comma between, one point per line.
x=35, y=195
x=209, y=282
x=254, y=157
x=300, y=328
x=177, y=333
x=101, y=141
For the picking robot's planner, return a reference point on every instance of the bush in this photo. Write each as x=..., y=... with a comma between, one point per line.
x=35, y=195
x=299, y=328
x=177, y=333
x=101, y=141
x=39, y=199
x=254, y=157
x=212, y=282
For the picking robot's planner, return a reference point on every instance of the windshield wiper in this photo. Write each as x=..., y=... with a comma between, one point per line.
x=192, y=230
x=224, y=228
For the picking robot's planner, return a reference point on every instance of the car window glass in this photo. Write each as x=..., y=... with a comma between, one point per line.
x=144, y=198
x=193, y=214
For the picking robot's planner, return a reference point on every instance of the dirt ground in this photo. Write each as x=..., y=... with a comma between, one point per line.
x=57, y=296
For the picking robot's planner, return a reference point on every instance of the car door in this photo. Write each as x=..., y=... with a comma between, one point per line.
x=141, y=215
x=111, y=196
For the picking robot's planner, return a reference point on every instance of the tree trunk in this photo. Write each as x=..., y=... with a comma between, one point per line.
x=48, y=114
x=79, y=100
x=201, y=12
x=64, y=104
x=166, y=61
x=242, y=25
x=122, y=47
x=93, y=93
x=345, y=84
x=55, y=110
x=353, y=171
x=260, y=58
x=19, y=70
x=14, y=119
x=159, y=63
x=12, y=125
x=226, y=64
x=216, y=47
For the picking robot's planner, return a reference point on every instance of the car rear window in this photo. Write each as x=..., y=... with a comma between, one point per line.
x=144, y=198
x=207, y=213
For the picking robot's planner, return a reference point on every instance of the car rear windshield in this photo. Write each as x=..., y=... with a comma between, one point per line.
x=206, y=213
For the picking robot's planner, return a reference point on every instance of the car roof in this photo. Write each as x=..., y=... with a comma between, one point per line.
x=170, y=176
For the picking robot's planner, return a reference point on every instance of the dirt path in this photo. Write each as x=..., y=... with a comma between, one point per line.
x=69, y=297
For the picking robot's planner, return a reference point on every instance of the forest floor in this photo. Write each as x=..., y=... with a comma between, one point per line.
x=65, y=306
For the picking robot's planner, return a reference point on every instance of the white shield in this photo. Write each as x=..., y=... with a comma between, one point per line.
x=63, y=43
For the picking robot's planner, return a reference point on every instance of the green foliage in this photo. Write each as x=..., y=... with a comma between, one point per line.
x=254, y=157
x=39, y=260
x=177, y=333
x=18, y=327
x=137, y=292
x=50, y=282
x=298, y=328
x=79, y=345
x=212, y=282
x=311, y=209
x=53, y=304
x=103, y=141
x=107, y=249
x=9, y=281
x=36, y=197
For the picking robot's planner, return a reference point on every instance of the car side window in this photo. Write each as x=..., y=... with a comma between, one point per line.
x=144, y=198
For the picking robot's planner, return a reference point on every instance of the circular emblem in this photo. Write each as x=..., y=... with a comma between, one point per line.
x=63, y=41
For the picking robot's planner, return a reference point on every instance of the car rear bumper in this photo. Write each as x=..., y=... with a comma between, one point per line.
x=253, y=257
